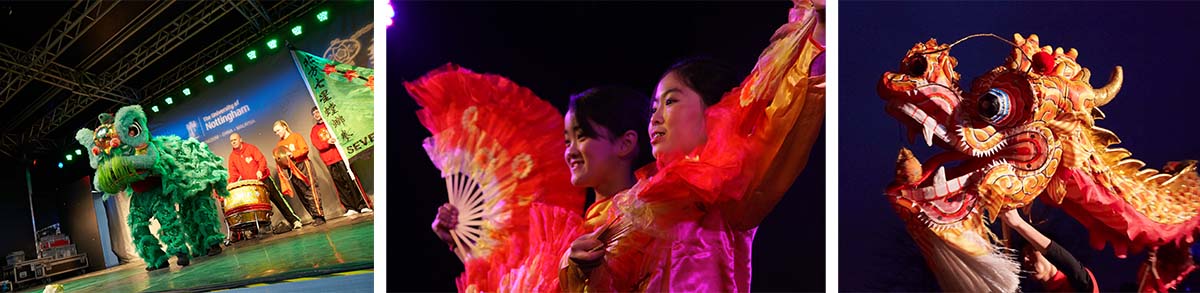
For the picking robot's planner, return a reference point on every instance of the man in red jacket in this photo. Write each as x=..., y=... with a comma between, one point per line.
x=246, y=162
x=346, y=187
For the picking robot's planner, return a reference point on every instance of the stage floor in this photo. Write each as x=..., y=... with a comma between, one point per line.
x=341, y=247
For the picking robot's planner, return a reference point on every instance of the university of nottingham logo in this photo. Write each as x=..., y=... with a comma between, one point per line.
x=192, y=128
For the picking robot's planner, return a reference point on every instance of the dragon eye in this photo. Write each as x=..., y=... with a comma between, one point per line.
x=135, y=130
x=917, y=66
x=995, y=106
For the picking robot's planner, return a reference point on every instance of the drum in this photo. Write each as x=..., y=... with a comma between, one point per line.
x=248, y=205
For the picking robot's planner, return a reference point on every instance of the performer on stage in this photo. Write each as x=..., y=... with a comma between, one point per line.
x=723, y=163
x=346, y=186
x=167, y=178
x=291, y=157
x=246, y=162
x=688, y=222
x=605, y=142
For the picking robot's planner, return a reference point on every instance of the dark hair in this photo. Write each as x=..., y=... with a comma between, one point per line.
x=313, y=110
x=709, y=77
x=617, y=109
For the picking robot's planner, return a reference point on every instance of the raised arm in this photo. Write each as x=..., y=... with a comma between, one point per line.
x=1066, y=263
x=1012, y=219
x=789, y=98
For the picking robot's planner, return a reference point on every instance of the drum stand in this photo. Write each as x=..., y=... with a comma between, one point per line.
x=228, y=229
x=250, y=203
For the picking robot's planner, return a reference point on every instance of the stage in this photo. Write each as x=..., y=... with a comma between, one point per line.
x=337, y=256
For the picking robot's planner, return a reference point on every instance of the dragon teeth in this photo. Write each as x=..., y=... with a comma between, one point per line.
x=939, y=180
x=928, y=136
x=929, y=127
x=942, y=187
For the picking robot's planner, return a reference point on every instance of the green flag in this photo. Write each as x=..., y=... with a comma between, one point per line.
x=345, y=95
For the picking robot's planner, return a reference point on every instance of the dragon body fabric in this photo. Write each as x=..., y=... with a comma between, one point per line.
x=1024, y=130
x=167, y=178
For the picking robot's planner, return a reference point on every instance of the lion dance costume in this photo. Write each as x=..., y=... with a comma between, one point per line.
x=158, y=174
x=515, y=145
x=1027, y=129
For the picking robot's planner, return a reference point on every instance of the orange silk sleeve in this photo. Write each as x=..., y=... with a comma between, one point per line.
x=781, y=134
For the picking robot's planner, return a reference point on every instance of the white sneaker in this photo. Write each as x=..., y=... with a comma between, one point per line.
x=350, y=213
x=366, y=210
x=296, y=225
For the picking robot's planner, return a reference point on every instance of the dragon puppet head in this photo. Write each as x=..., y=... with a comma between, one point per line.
x=1009, y=134
x=1004, y=139
x=119, y=149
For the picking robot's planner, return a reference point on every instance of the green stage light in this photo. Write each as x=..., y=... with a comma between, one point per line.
x=323, y=16
x=154, y=108
x=60, y=165
x=296, y=30
x=209, y=78
x=228, y=67
x=69, y=157
x=170, y=100
x=252, y=54
x=187, y=91
x=273, y=43
x=78, y=152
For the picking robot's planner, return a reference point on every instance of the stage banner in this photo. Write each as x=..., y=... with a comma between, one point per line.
x=345, y=95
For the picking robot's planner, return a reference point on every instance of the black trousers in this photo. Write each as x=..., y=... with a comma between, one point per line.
x=347, y=189
x=281, y=203
x=305, y=193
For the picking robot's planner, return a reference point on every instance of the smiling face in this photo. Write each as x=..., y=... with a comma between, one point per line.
x=677, y=123
x=591, y=159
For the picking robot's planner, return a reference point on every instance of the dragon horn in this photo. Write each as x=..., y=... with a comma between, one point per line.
x=1108, y=92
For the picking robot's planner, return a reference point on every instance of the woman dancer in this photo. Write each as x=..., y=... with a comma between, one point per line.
x=689, y=223
x=603, y=147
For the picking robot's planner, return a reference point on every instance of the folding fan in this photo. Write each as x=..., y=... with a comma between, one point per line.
x=551, y=231
x=499, y=149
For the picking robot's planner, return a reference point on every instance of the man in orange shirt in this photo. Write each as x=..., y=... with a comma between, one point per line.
x=246, y=162
x=291, y=156
x=352, y=199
